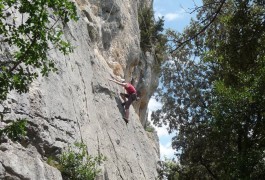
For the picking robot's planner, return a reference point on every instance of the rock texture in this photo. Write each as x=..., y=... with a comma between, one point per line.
x=79, y=103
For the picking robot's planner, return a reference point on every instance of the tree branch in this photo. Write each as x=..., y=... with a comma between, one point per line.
x=208, y=169
x=203, y=29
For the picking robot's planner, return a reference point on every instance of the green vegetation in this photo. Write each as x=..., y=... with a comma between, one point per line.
x=216, y=103
x=148, y=127
x=77, y=164
x=152, y=39
x=29, y=29
x=15, y=131
x=30, y=39
x=169, y=170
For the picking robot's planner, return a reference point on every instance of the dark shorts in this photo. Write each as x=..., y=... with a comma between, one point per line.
x=130, y=97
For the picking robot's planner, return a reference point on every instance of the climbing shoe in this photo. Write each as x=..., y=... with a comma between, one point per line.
x=126, y=120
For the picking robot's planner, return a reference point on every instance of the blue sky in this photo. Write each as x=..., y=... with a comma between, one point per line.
x=176, y=12
x=177, y=16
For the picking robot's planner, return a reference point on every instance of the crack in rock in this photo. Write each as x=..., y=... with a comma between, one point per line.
x=142, y=170
x=11, y=172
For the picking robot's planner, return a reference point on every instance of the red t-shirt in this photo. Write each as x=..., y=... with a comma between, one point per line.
x=130, y=89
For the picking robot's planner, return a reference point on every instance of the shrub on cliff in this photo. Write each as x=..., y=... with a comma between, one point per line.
x=152, y=38
x=77, y=164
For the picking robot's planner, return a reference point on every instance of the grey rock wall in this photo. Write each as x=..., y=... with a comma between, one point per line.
x=78, y=102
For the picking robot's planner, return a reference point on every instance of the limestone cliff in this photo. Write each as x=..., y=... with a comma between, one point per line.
x=79, y=103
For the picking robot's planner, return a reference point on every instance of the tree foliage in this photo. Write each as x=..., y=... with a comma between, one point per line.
x=213, y=92
x=169, y=170
x=152, y=38
x=29, y=29
x=15, y=131
x=77, y=164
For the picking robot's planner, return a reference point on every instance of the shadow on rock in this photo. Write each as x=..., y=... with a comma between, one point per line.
x=119, y=105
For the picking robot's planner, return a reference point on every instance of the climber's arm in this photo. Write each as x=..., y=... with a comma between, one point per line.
x=118, y=82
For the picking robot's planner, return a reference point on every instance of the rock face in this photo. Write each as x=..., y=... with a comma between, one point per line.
x=79, y=103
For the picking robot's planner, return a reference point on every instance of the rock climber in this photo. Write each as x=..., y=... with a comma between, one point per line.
x=130, y=95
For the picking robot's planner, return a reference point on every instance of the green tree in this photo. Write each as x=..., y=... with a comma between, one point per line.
x=219, y=129
x=169, y=169
x=29, y=29
x=152, y=37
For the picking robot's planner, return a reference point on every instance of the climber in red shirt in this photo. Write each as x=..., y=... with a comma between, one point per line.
x=131, y=95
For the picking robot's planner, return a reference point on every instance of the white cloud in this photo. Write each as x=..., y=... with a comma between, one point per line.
x=154, y=105
x=162, y=131
x=166, y=151
x=172, y=16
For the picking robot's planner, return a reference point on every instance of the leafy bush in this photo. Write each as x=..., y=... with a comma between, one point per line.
x=148, y=127
x=15, y=130
x=77, y=164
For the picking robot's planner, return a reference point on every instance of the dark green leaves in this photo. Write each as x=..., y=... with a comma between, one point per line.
x=215, y=102
x=15, y=130
x=30, y=29
x=169, y=170
x=185, y=94
x=77, y=164
x=152, y=39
